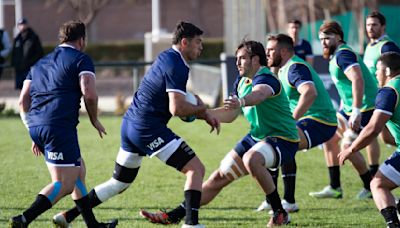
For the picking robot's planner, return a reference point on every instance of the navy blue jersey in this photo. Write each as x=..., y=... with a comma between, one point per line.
x=390, y=46
x=272, y=82
x=55, y=89
x=303, y=49
x=346, y=59
x=386, y=100
x=150, y=106
x=299, y=74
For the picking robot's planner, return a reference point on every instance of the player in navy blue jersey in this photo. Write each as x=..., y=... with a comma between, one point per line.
x=387, y=113
x=144, y=130
x=49, y=107
x=302, y=47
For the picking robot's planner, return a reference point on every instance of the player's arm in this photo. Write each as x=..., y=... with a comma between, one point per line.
x=89, y=93
x=300, y=77
x=225, y=115
x=390, y=46
x=386, y=102
x=25, y=101
x=347, y=61
x=178, y=106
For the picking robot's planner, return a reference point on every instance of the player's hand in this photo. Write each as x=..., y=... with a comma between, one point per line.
x=99, y=127
x=213, y=122
x=232, y=103
x=35, y=149
x=344, y=155
x=355, y=119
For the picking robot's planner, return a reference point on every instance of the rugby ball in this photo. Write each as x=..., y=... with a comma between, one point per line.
x=193, y=100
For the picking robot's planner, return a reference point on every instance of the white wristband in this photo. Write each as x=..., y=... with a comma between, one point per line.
x=24, y=119
x=355, y=112
x=242, y=102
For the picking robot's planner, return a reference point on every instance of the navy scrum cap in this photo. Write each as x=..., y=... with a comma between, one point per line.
x=22, y=21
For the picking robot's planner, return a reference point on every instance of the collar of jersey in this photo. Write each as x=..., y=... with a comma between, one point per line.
x=177, y=50
x=379, y=39
x=66, y=45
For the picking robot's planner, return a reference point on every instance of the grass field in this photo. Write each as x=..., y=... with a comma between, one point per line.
x=158, y=186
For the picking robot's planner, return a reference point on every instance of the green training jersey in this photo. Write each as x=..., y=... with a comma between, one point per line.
x=272, y=117
x=344, y=85
x=372, y=52
x=322, y=109
x=394, y=122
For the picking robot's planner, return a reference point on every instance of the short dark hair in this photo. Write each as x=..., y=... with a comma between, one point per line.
x=72, y=31
x=379, y=16
x=185, y=30
x=295, y=21
x=391, y=59
x=254, y=48
x=283, y=41
x=332, y=27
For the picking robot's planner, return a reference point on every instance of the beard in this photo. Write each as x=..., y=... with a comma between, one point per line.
x=276, y=62
x=327, y=52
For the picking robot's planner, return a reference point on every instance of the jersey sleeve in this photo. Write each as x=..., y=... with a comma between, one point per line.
x=176, y=79
x=346, y=59
x=390, y=46
x=270, y=80
x=85, y=66
x=235, y=86
x=386, y=100
x=299, y=74
x=307, y=48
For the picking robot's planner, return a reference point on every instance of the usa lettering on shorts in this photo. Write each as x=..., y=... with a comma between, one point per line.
x=156, y=143
x=55, y=156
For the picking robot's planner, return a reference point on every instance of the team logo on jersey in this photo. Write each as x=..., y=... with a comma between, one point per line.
x=156, y=143
x=55, y=156
x=304, y=123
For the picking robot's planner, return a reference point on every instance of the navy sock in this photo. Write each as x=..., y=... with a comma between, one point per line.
x=192, y=199
x=40, y=205
x=83, y=206
x=334, y=176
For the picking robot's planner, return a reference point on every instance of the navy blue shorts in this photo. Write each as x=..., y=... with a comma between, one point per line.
x=284, y=150
x=365, y=117
x=316, y=132
x=144, y=142
x=391, y=168
x=60, y=145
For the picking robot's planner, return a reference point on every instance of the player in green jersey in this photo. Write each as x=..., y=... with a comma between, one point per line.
x=387, y=112
x=379, y=43
x=315, y=115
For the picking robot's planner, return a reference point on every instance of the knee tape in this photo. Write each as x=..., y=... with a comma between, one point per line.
x=348, y=137
x=230, y=168
x=56, y=189
x=267, y=152
x=128, y=159
x=110, y=188
x=79, y=184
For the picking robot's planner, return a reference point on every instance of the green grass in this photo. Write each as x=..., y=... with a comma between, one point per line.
x=159, y=186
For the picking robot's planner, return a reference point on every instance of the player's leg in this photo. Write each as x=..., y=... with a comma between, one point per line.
x=357, y=159
x=185, y=160
x=385, y=180
x=126, y=168
x=231, y=168
x=373, y=154
x=63, y=167
x=373, y=149
x=270, y=154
